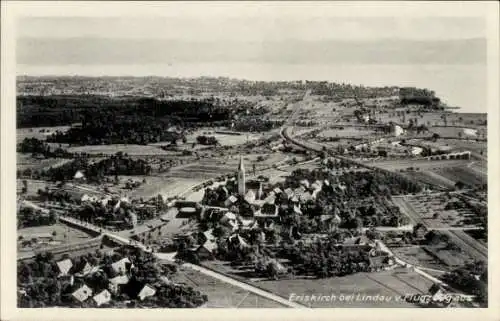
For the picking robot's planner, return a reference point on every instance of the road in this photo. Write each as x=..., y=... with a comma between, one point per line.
x=244, y=286
x=460, y=237
x=208, y=272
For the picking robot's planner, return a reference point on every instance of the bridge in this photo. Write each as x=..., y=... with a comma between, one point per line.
x=456, y=155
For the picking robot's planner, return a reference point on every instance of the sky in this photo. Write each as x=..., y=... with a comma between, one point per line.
x=266, y=39
x=445, y=54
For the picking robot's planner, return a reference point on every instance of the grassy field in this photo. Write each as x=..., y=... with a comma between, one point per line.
x=25, y=161
x=455, y=132
x=155, y=185
x=428, y=177
x=210, y=168
x=22, y=133
x=64, y=235
x=464, y=174
x=387, y=283
x=222, y=295
x=33, y=186
x=130, y=149
x=418, y=256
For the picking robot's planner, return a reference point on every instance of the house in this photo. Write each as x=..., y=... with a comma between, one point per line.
x=206, y=250
x=122, y=266
x=82, y=293
x=270, y=199
x=229, y=219
x=438, y=293
x=228, y=216
x=208, y=235
x=363, y=240
x=336, y=220
x=147, y=291
x=231, y=200
x=299, y=191
x=267, y=211
x=304, y=183
x=79, y=176
x=86, y=198
x=105, y=200
x=306, y=197
x=289, y=193
x=316, y=186
x=102, y=298
x=237, y=241
x=376, y=263
x=277, y=190
x=117, y=282
x=82, y=268
x=250, y=197
x=246, y=223
x=64, y=266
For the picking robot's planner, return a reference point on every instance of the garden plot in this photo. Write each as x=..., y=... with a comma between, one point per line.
x=416, y=255
x=439, y=210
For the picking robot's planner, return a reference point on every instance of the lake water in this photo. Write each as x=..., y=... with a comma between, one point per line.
x=464, y=86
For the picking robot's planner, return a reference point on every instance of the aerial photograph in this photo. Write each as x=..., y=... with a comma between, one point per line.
x=262, y=159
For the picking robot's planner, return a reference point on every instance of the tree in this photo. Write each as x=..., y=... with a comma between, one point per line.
x=25, y=187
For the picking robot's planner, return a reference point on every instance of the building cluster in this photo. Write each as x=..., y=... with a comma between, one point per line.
x=119, y=281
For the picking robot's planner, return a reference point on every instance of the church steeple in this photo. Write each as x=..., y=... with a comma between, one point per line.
x=241, y=178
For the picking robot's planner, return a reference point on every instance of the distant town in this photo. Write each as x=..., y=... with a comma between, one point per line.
x=149, y=192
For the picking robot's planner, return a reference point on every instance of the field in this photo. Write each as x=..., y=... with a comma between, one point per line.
x=25, y=161
x=34, y=132
x=450, y=258
x=64, y=235
x=471, y=145
x=416, y=255
x=464, y=174
x=421, y=164
x=224, y=139
x=210, y=168
x=113, y=149
x=220, y=294
x=159, y=185
x=33, y=186
x=387, y=283
x=457, y=132
x=428, y=177
x=428, y=205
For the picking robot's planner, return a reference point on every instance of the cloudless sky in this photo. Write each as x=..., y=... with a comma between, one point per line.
x=276, y=42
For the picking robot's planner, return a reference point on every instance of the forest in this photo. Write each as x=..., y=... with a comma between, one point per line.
x=118, y=164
